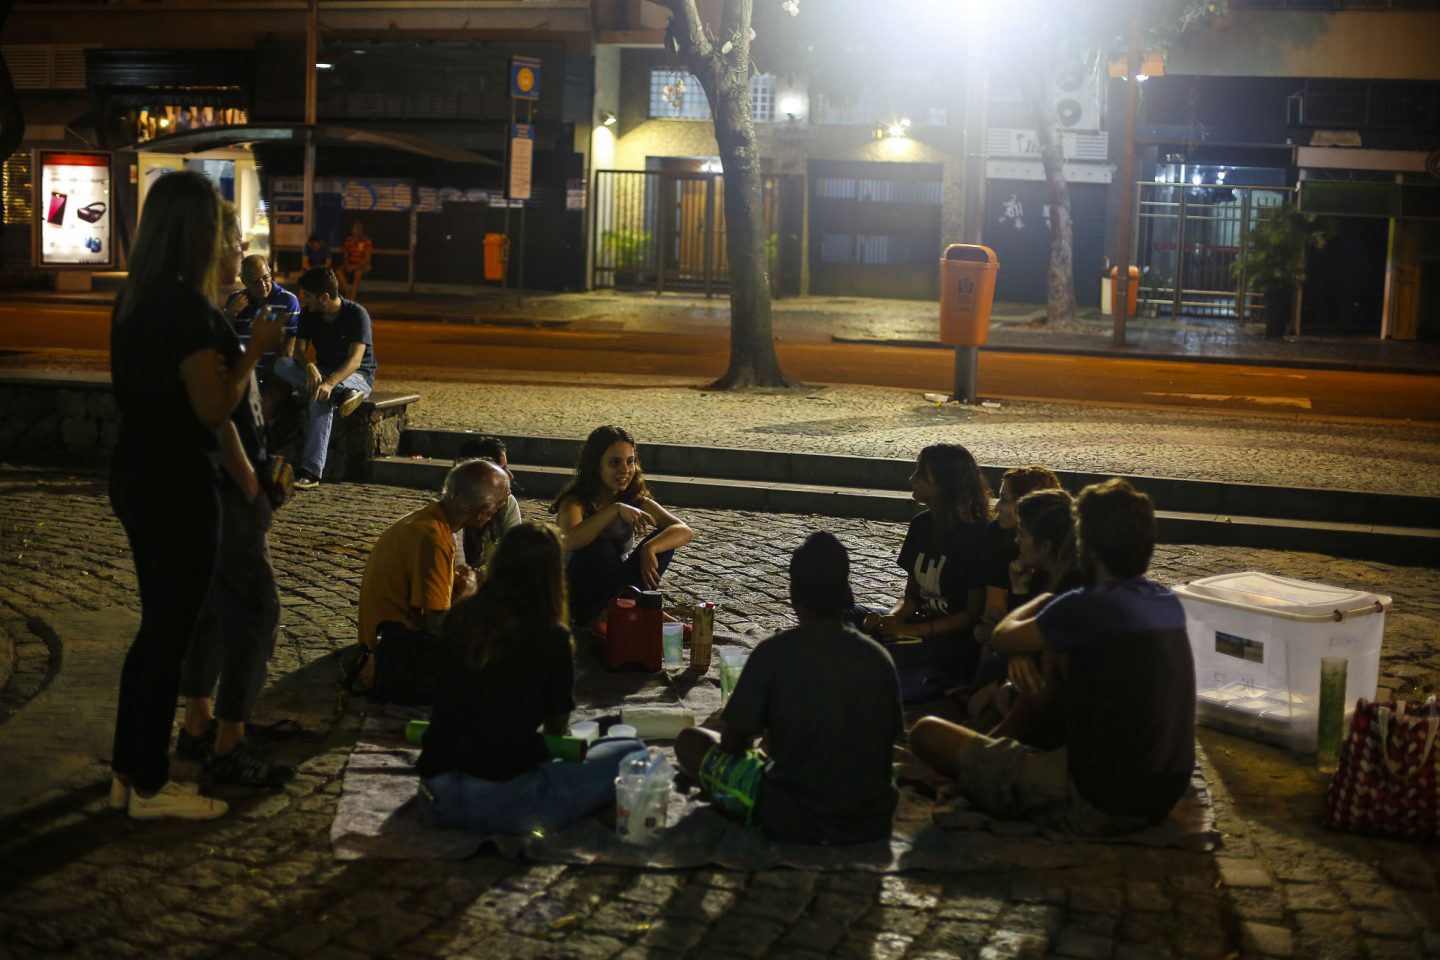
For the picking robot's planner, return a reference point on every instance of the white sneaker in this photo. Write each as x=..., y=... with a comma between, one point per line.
x=176, y=801
x=119, y=794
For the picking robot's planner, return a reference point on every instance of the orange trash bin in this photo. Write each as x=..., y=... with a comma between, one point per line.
x=496, y=253
x=967, y=292
x=1132, y=298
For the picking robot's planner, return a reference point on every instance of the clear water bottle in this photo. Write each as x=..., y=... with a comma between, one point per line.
x=642, y=796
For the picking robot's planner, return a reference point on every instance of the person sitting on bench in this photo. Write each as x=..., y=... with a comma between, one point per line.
x=1128, y=697
x=827, y=701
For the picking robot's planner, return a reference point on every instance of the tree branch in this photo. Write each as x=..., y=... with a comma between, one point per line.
x=695, y=47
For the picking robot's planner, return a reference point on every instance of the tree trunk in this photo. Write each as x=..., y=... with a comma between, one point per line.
x=1060, y=277
x=753, y=362
x=725, y=75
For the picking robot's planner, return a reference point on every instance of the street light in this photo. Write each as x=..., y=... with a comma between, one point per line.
x=607, y=118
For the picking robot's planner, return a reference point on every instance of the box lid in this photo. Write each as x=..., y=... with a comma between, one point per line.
x=1283, y=597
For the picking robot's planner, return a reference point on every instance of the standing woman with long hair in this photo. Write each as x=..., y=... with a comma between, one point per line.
x=943, y=559
x=509, y=671
x=178, y=375
x=614, y=533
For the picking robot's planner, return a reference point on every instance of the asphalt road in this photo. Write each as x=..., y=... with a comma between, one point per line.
x=467, y=352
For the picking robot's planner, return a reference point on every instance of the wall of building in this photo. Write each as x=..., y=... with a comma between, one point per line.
x=1362, y=44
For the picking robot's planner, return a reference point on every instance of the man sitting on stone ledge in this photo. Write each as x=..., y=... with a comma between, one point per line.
x=343, y=372
x=827, y=701
x=411, y=576
x=1127, y=690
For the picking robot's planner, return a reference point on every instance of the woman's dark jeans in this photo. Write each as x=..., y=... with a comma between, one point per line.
x=171, y=516
x=596, y=572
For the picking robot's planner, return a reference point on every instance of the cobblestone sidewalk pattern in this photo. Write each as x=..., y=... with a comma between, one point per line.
x=81, y=881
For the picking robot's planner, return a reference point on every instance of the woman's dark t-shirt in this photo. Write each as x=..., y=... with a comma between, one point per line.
x=945, y=568
x=486, y=722
x=169, y=324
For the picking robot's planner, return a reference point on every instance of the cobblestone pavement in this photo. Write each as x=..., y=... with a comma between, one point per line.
x=880, y=422
x=81, y=881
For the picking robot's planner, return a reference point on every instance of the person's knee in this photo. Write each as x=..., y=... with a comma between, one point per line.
x=937, y=742
x=691, y=746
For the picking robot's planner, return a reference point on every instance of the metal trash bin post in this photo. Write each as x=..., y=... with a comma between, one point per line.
x=1132, y=296
x=967, y=292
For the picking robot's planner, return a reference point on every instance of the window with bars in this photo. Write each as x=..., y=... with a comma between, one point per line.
x=677, y=95
x=16, y=189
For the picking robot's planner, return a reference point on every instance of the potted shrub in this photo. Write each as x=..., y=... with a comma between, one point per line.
x=627, y=253
x=1275, y=261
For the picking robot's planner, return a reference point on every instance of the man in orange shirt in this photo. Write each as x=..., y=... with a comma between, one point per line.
x=358, y=250
x=411, y=576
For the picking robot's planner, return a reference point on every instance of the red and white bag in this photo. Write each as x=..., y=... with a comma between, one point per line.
x=1388, y=778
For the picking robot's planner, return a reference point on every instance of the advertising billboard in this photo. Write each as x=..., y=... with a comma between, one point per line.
x=74, y=206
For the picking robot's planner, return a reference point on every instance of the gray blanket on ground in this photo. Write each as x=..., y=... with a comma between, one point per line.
x=378, y=818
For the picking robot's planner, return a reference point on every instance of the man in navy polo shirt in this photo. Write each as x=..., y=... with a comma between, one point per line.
x=261, y=290
x=343, y=371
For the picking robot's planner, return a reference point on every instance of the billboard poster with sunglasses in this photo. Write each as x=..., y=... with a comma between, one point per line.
x=74, y=203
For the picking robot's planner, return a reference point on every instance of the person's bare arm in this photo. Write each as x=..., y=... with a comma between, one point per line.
x=337, y=377
x=578, y=531
x=673, y=534
x=1020, y=632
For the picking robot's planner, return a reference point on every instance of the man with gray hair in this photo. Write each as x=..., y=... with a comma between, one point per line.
x=411, y=576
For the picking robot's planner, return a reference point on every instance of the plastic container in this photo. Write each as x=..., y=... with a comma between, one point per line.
x=732, y=662
x=587, y=730
x=967, y=292
x=642, y=796
x=672, y=642
x=1258, y=640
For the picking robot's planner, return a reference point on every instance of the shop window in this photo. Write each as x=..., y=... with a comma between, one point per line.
x=677, y=95
x=16, y=189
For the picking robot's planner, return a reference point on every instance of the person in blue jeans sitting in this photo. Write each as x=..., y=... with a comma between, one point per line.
x=508, y=677
x=614, y=533
x=343, y=372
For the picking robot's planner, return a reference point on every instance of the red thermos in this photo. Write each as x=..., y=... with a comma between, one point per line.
x=632, y=630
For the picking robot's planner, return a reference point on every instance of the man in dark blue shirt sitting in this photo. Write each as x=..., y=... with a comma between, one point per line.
x=343, y=371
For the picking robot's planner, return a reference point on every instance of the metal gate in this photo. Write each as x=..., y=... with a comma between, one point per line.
x=665, y=230
x=1187, y=237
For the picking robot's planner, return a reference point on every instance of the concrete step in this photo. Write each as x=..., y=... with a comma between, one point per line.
x=1388, y=544
x=890, y=476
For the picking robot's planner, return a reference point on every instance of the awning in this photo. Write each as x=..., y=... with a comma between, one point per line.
x=216, y=138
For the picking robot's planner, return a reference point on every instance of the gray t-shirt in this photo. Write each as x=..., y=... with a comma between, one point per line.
x=828, y=702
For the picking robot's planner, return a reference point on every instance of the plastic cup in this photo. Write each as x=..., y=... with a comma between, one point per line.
x=1330, y=727
x=732, y=662
x=587, y=730
x=415, y=730
x=672, y=639
x=620, y=731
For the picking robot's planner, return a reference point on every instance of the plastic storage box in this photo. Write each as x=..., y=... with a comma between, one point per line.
x=1258, y=640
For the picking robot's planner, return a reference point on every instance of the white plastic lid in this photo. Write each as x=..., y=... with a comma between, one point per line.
x=1284, y=597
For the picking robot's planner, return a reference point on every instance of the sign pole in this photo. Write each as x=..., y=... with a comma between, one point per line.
x=520, y=280
x=509, y=160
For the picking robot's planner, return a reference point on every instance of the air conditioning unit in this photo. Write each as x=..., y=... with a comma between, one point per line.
x=1077, y=98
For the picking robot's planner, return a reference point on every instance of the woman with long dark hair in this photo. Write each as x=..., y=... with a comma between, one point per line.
x=509, y=672
x=179, y=373
x=614, y=533
x=943, y=559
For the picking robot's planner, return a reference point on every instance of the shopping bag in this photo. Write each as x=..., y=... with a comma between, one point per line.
x=1387, y=781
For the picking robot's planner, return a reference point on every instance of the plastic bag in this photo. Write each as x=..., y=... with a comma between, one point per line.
x=642, y=796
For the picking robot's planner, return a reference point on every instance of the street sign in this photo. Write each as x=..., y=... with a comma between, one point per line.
x=522, y=153
x=525, y=78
